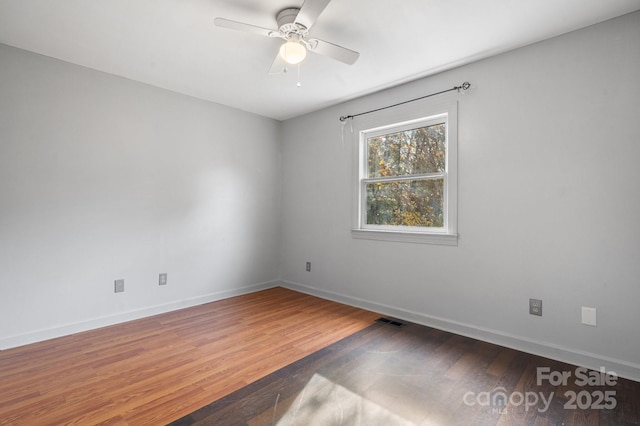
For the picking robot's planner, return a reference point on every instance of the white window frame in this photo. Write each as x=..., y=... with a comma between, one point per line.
x=418, y=114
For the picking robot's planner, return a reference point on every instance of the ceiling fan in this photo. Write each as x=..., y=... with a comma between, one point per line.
x=293, y=26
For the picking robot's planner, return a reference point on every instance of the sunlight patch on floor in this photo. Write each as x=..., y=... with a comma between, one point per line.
x=323, y=402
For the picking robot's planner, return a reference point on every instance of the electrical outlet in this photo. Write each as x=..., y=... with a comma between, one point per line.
x=535, y=307
x=308, y=266
x=118, y=286
x=162, y=279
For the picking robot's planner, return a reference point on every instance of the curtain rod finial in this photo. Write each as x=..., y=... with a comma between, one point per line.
x=463, y=87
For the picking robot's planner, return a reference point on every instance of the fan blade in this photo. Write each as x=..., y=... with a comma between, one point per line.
x=278, y=66
x=240, y=26
x=334, y=51
x=310, y=11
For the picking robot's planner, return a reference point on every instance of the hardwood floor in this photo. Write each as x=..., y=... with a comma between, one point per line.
x=419, y=376
x=158, y=369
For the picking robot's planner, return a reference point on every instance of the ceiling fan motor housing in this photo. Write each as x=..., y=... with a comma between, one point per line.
x=286, y=22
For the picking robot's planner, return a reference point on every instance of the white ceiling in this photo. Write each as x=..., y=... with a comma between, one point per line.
x=174, y=44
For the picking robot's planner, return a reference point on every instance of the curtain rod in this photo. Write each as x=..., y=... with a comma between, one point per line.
x=463, y=86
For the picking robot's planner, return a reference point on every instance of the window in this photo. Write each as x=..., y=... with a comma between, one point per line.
x=406, y=185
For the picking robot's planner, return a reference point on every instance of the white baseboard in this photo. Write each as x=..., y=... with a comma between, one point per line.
x=625, y=369
x=120, y=317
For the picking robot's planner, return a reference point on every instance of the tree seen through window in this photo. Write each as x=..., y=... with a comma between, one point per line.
x=405, y=177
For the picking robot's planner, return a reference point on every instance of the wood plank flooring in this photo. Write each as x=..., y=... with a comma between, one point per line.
x=155, y=370
x=160, y=369
x=415, y=376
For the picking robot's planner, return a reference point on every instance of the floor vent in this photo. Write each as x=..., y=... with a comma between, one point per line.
x=391, y=322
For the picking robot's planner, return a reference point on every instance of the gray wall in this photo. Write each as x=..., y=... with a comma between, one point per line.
x=548, y=202
x=103, y=178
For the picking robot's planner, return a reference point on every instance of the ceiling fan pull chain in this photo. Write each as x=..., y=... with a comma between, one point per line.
x=299, y=84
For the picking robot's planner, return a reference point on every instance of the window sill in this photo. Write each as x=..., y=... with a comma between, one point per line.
x=406, y=237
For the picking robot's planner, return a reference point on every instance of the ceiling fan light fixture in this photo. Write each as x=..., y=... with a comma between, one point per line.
x=293, y=52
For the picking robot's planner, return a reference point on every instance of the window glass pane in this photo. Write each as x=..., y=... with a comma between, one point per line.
x=405, y=203
x=414, y=151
